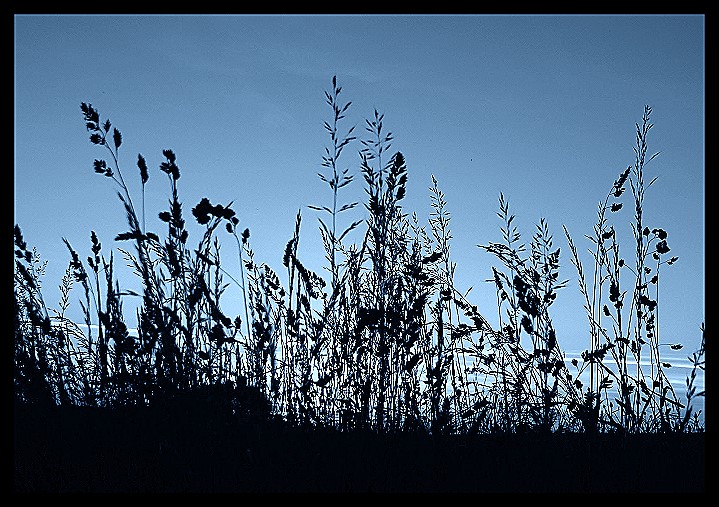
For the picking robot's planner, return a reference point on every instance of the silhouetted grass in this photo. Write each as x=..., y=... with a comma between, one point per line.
x=622, y=336
x=387, y=378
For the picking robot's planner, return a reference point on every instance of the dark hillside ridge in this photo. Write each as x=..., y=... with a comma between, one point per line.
x=85, y=450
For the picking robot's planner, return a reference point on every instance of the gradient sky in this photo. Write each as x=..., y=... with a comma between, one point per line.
x=541, y=108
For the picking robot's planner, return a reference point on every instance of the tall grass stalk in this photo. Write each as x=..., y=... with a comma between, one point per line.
x=640, y=394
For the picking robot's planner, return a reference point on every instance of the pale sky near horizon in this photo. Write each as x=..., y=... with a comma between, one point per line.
x=540, y=108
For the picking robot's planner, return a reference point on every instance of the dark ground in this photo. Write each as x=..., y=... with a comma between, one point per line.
x=80, y=450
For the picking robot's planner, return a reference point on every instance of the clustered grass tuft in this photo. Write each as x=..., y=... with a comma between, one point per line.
x=390, y=344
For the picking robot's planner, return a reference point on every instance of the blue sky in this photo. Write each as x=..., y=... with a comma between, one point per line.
x=541, y=108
